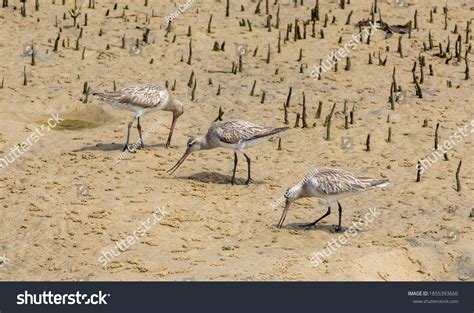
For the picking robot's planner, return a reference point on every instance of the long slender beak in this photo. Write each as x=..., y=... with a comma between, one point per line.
x=283, y=216
x=173, y=124
x=178, y=164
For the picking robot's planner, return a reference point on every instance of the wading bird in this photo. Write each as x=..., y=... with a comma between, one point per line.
x=141, y=99
x=237, y=135
x=331, y=185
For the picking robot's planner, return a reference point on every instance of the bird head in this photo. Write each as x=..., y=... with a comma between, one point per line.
x=290, y=196
x=293, y=193
x=194, y=144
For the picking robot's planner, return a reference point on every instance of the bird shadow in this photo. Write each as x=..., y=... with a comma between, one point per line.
x=114, y=147
x=328, y=228
x=218, y=178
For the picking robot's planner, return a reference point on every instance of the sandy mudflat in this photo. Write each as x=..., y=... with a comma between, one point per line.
x=66, y=200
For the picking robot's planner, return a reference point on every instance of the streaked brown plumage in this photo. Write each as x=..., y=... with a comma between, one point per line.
x=140, y=99
x=238, y=132
x=331, y=184
x=233, y=134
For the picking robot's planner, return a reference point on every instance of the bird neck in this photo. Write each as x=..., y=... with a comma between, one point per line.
x=296, y=192
x=174, y=106
x=204, y=143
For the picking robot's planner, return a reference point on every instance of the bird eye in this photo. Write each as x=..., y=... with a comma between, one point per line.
x=190, y=144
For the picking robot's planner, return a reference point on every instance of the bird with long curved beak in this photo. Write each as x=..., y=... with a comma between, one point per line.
x=233, y=134
x=330, y=184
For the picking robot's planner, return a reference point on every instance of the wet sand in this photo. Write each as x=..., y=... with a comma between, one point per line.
x=66, y=200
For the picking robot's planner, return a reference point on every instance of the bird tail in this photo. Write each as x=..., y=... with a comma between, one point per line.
x=107, y=96
x=279, y=130
x=101, y=95
x=274, y=131
x=270, y=132
x=375, y=183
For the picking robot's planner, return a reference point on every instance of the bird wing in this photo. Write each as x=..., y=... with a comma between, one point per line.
x=336, y=181
x=145, y=96
x=235, y=131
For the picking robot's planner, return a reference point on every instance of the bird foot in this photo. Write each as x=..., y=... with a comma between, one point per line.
x=134, y=147
x=127, y=147
x=248, y=181
x=308, y=226
x=338, y=229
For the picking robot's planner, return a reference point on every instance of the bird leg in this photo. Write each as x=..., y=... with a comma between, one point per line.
x=173, y=124
x=126, y=146
x=139, y=127
x=249, y=179
x=314, y=223
x=232, y=181
x=339, y=228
